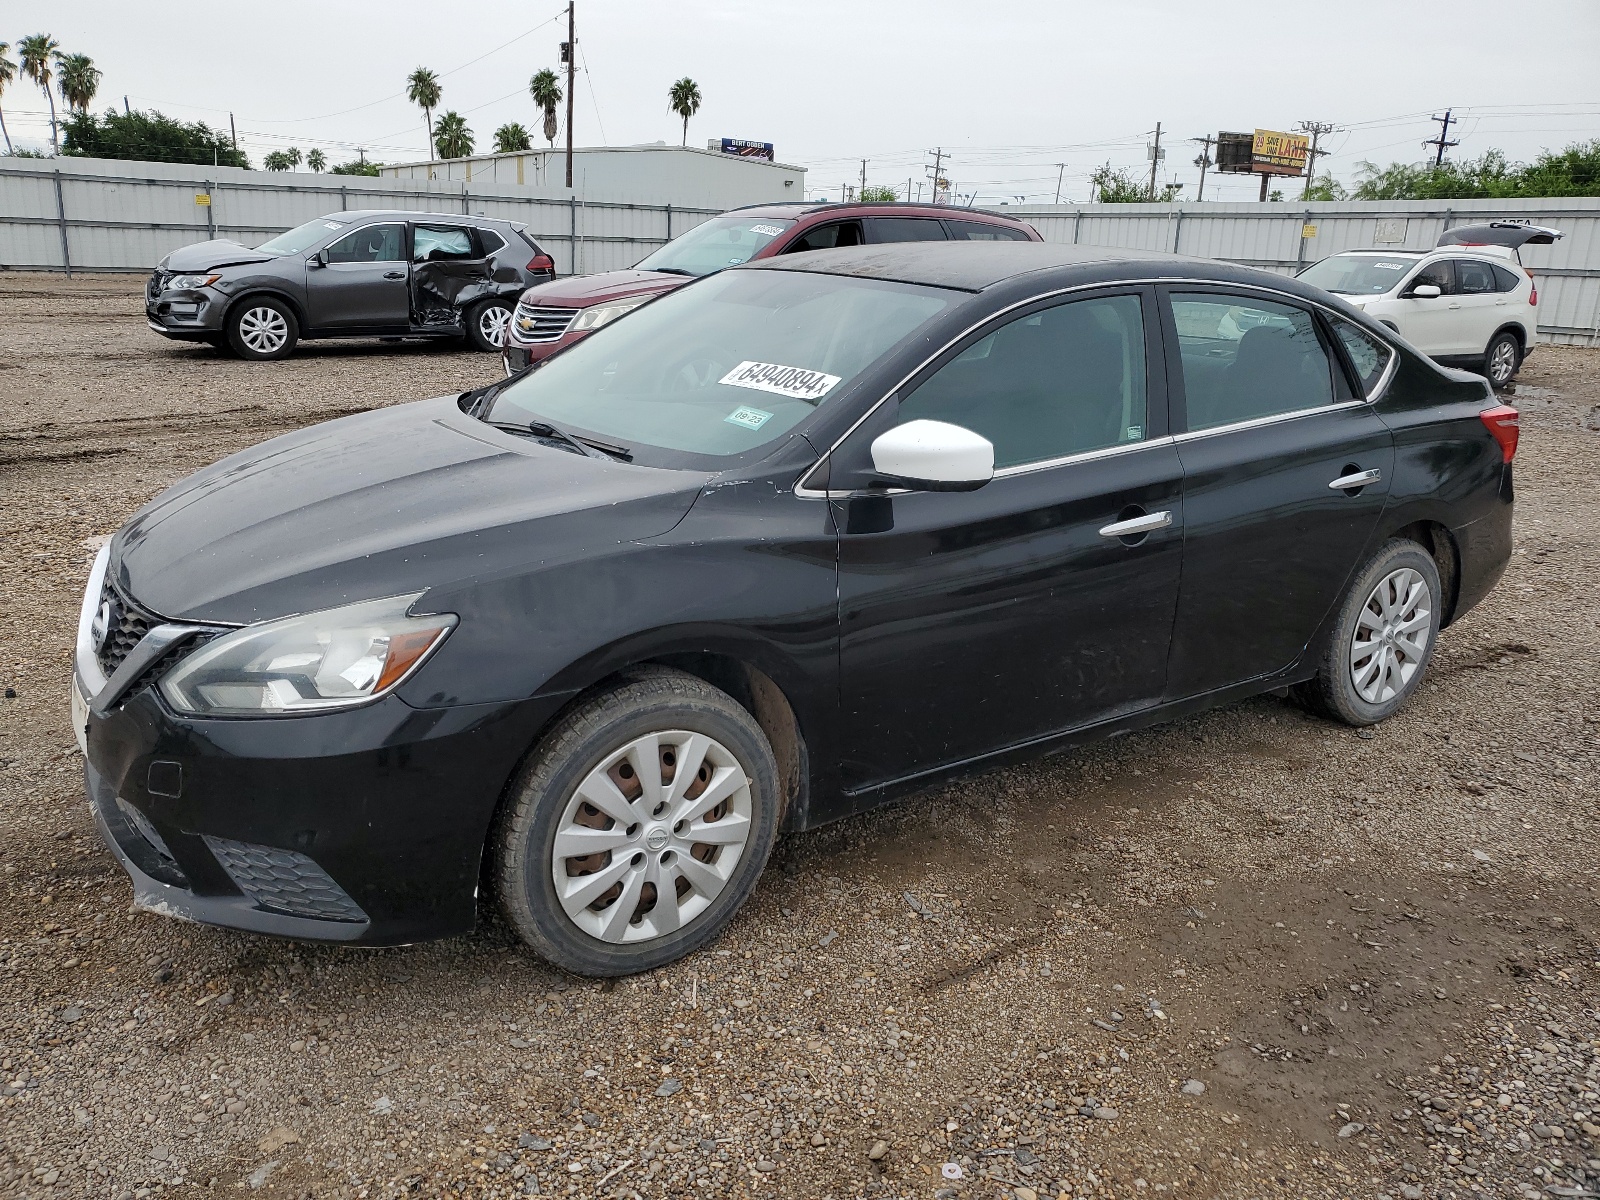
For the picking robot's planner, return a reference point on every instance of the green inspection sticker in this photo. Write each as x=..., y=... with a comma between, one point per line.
x=750, y=418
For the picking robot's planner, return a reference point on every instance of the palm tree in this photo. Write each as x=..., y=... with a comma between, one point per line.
x=423, y=90
x=292, y=157
x=317, y=161
x=510, y=138
x=35, y=53
x=683, y=98
x=451, y=137
x=78, y=80
x=8, y=73
x=545, y=88
x=276, y=160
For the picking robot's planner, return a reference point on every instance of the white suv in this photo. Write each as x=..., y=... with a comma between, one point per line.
x=1468, y=302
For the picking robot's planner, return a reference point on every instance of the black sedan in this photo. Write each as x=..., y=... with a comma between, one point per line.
x=786, y=543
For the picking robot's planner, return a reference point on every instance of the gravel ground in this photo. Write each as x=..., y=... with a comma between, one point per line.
x=1248, y=954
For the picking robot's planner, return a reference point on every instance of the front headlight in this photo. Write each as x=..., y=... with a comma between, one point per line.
x=190, y=282
x=338, y=658
x=604, y=314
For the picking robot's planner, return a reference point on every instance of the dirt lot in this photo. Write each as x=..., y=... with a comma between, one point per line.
x=1250, y=954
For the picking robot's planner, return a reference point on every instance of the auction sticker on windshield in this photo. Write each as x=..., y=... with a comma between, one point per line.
x=750, y=418
x=794, y=382
x=767, y=230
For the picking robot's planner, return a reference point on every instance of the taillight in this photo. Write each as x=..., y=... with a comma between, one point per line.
x=1503, y=423
x=542, y=262
x=1533, y=289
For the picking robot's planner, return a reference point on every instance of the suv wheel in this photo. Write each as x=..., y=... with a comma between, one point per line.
x=261, y=328
x=487, y=325
x=638, y=826
x=1383, y=639
x=1502, y=358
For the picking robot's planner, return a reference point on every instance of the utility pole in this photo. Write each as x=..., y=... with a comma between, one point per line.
x=362, y=152
x=938, y=168
x=571, y=49
x=128, y=112
x=1316, y=129
x=1203, y=162
x=233, y=132
x=863, y=190
x=1061, y=169
x=1442, y=141
x=1155, y=160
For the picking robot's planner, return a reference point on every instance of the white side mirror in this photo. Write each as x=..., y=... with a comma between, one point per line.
x=934, y=456
x=1426, y=291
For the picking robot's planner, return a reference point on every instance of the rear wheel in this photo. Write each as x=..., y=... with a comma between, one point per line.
x=1502, y=358
x=638, y=826
x=1383, y=639
x=262, y=328
x=487, y=324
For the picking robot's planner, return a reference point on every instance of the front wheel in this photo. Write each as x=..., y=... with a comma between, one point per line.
x=1383, y=639
x=487, y=325
x=261, y=329
x=1502, y=358
x=638, y=827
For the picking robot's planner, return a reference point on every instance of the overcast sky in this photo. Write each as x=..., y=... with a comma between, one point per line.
x=1009, y=88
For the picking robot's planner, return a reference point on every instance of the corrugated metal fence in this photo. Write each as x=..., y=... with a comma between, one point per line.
x=1288, y=237
x=77, y=215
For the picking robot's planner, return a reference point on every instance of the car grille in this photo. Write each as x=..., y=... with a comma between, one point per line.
x=542, y=324
x=158, y=282
x=284, y=881
x=127, y=625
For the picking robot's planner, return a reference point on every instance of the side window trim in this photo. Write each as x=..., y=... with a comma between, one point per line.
x=1177, y=396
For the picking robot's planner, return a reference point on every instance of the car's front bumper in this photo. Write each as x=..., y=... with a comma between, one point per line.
x=363, y=826
x=519, y=356
x=185, y=315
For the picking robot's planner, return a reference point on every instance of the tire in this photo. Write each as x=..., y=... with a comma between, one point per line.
x=597, y=748
x=261, y=328
x=1502, y=359
x=487, y=323
x=1364, y=688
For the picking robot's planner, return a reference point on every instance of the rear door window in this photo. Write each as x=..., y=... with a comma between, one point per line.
x=827, y=237
x=904, y=229
x=442, y=243
x=977, y=231
x=1245, y=358
x=1474, y=278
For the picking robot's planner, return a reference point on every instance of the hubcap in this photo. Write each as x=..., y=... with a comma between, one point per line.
x=1502, y=362
x=264, y=330
x=493, y=324
x=1391, y=636
x=651, y=836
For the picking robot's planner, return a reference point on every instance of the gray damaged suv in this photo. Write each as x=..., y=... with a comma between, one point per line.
x=349, y=274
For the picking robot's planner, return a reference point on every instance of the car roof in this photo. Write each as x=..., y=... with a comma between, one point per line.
x=974, y=266
x=870, y=208
x=366, y=214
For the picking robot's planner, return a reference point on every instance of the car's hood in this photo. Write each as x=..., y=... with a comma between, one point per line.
x=203, y=256
x=382, y=503
x=580, y=291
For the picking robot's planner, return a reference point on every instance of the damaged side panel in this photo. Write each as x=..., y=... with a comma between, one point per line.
x=442, y=291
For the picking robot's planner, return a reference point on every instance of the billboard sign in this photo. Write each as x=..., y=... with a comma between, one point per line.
x=744, y=149
x=1234, y=153
x=1274, y=153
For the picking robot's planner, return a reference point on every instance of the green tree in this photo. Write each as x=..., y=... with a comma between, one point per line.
x=511, y=137
x=1574, y=171
x=451, y=137
x=78, y=79
x=8, y=74
x=359, y=167
x=317, y=161
x=147, y=136
x=545, y=88
x=423, y=90
x=1123, y=186
x=292, y=157
x=276, y=160
x=873, y=193
x=683, y=98
x=36, y=53
x=1325, y=187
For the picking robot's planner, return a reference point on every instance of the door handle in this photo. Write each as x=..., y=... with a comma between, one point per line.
x=1455, y=306
x=1358, y=479
x=1135, y=526
x=394, y=274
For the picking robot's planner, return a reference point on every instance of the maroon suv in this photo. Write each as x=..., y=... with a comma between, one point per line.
x=552, y=315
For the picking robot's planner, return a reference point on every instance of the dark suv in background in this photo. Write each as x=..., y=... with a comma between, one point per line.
x=554, y=315
x=349, y=274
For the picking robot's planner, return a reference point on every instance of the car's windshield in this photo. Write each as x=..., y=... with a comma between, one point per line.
x=301, y=237
x=722, y=366
x=1358, y=274
x=717, y=243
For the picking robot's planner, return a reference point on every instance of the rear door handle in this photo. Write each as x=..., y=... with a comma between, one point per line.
x=394, y=274
x=1455, y=306
x=1135, y=526
x=1358, y=479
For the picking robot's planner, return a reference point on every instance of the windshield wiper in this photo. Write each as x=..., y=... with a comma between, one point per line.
x=544, y=429
x=669, y=270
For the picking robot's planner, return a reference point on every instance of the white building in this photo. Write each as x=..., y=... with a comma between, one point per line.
x=653, y=174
